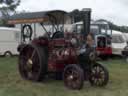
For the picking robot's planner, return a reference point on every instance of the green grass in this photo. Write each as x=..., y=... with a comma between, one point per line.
x=11, y=84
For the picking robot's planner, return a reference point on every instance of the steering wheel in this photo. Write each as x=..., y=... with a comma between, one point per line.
x=58, y=34
x=27, y=32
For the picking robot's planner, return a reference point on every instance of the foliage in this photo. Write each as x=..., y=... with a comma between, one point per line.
x=7, y=8
x=9, y=4
x=116, y=27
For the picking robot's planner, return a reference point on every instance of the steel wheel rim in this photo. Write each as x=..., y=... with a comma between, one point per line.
x=29, y=71
x=97, y=75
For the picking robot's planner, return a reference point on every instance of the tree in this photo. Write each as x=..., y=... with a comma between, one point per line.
x=9, y=4
x=7, y=8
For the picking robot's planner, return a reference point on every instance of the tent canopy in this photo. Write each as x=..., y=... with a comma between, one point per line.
x=56, y=16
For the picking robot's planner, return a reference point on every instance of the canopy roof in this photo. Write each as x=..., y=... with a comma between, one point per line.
x=57, y=16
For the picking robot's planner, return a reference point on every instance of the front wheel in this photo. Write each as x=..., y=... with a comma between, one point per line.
x=73, y=77
x=99, y=75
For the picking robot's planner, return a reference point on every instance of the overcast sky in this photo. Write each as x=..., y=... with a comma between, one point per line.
x=113, y=10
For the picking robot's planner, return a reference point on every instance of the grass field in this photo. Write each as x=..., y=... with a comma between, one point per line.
x=11, y=84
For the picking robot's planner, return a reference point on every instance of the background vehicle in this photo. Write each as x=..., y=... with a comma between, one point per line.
x=125, y=53
x=125, y=50
x=126, y=36
x=65, y=54
x=9, y=40
x=102, y=37
x=118, y=42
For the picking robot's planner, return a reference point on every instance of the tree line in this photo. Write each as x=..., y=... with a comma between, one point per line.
x=7, y=8
x=76, y=15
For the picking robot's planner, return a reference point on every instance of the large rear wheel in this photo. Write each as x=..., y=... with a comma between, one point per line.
x=73, y=76
x=33, y=63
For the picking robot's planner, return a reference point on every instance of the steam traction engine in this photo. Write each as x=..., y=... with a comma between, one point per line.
x=70, y=56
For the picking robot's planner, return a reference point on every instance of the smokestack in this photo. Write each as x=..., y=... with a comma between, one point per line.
x=86, y=14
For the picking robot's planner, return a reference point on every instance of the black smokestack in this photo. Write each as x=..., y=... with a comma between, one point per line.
x=86, y=15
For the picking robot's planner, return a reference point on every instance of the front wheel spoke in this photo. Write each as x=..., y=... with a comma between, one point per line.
x=92, y=78
x=102, y=73
x=67, y=76
x=97, y=69
x=69, y=83
x=68, y=72
x=72, y=71
x=95, y=80
x=101, y=81
x=102, y=78
x=74, y=84
x=77, y=82
x=101, y=70
x=97, y=83
x=93, y=71
x=75, y=75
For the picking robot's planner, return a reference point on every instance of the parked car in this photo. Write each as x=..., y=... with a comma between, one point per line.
x=126, y=36
x=125, y=53
x=118, y=42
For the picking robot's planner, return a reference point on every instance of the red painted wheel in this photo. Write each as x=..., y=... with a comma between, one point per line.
x=32, y=63
x=73, y=77
x=99, y=75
